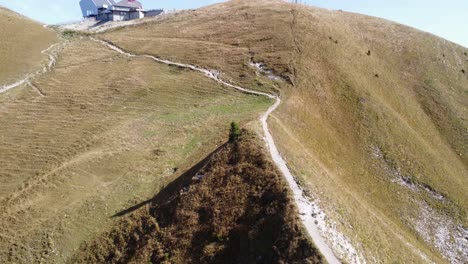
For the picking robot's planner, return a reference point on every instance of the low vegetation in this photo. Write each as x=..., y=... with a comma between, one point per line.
x=234, y=132
x=68, y=34
x=233, y=207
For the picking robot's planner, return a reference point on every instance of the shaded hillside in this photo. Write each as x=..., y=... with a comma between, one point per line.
x=233, y=207
x=373, y=118
x=20, y=46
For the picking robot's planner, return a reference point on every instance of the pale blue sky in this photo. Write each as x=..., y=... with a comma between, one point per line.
x=448, y=19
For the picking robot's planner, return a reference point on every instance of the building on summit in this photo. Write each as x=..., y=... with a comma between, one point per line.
x=110, y=10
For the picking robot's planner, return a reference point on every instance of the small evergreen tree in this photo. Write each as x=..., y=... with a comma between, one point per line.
x=234, y=132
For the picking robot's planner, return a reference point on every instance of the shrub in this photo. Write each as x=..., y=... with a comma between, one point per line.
x=67, y=34
x=234, y=132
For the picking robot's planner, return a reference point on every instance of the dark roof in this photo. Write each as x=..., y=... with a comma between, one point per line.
x=99, y=3
x=130, y=3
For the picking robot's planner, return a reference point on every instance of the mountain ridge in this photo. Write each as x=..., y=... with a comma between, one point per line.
x=372, y=123
x=361, y=80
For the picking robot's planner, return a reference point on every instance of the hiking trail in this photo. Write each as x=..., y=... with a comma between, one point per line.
x=307, y=209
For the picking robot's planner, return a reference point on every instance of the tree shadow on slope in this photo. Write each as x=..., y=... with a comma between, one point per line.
x=171, y=191
x=233, y=207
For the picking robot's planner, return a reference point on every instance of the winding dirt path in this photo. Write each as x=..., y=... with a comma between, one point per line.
x=27, y=79
x=305, y=206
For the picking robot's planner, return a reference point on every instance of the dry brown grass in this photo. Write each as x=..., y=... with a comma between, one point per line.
x=232, y=207
x=358, y=132
x=21, y=43
x=222, y=37
x=352, y=124
x=109, y=132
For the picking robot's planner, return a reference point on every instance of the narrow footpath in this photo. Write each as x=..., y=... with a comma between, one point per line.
x=27, y=79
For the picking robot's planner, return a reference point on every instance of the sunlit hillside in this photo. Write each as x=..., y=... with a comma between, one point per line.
x=105, y=132
x=21, y=43
x=374, y=121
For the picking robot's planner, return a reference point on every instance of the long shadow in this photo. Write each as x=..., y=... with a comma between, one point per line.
x=171, y=191
x=102, y=22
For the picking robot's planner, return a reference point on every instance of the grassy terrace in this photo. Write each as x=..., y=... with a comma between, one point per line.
x=109, y=132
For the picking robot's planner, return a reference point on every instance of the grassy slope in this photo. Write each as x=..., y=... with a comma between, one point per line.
x=20, y=46
x=352, y=125
x=369, y=120
x=109, y=132
x=202, y=37
x=236, y=211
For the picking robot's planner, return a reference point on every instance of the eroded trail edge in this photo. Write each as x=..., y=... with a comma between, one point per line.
x=27, y=79
x=335, y=245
